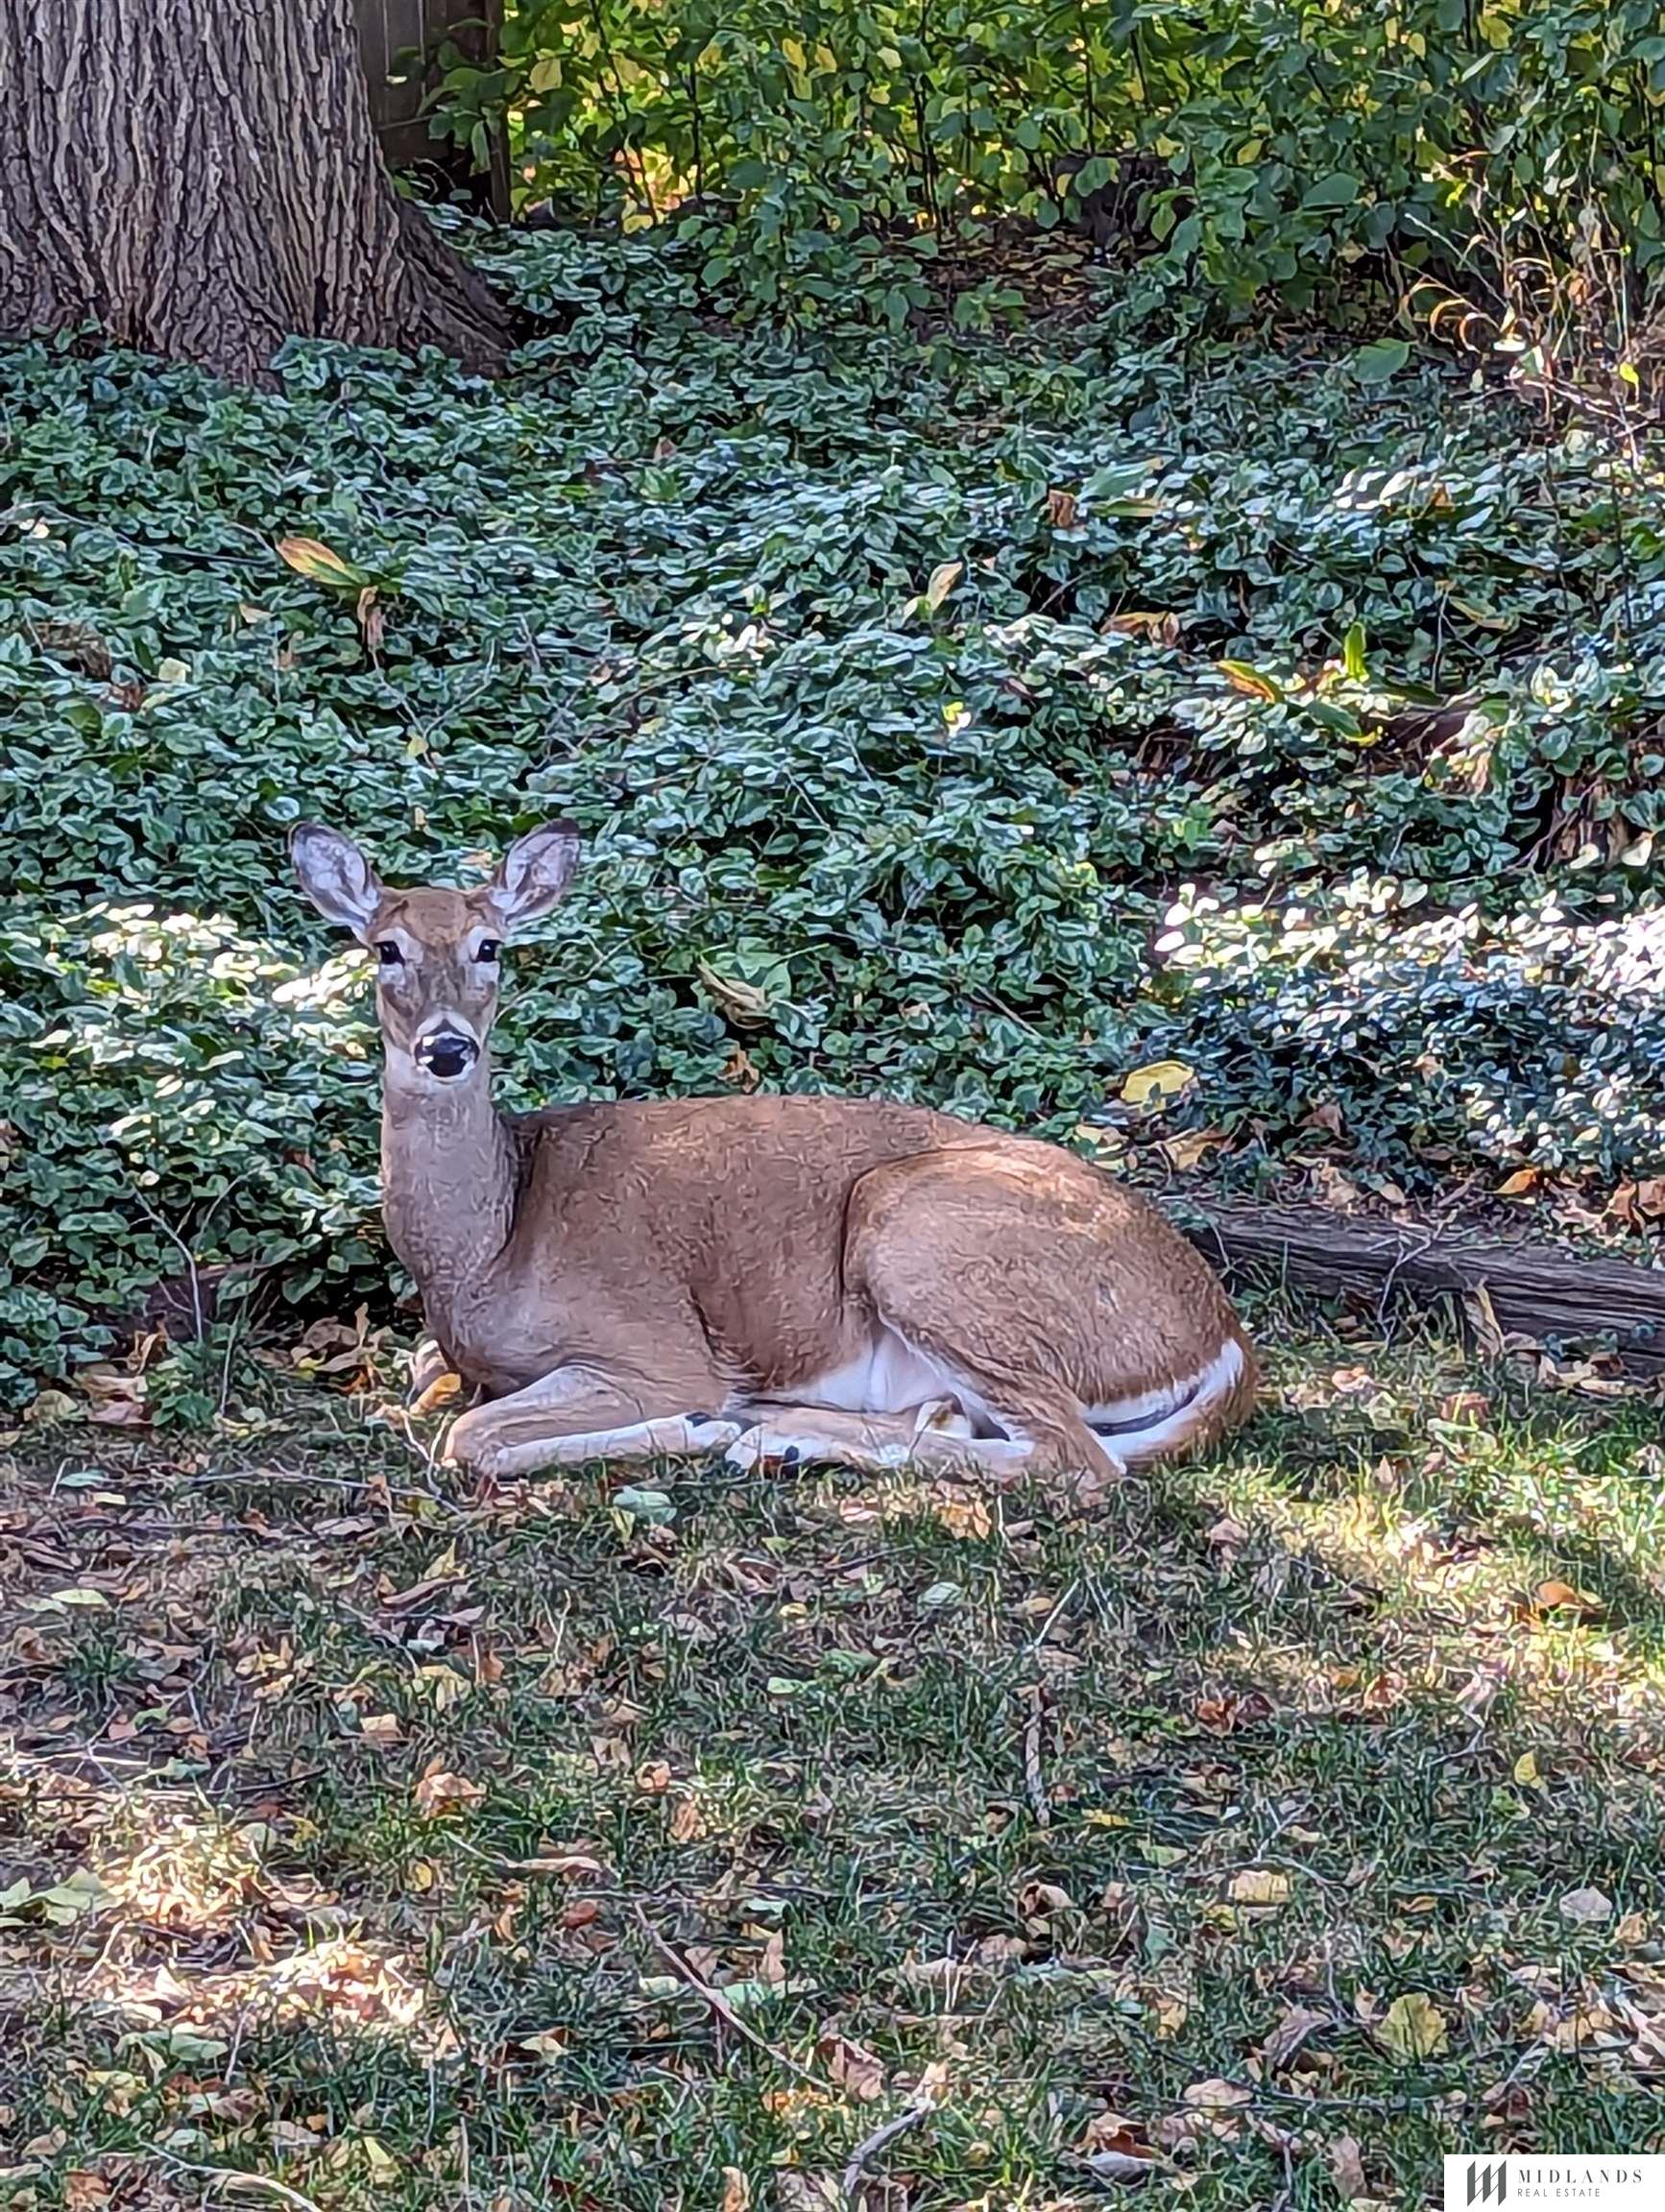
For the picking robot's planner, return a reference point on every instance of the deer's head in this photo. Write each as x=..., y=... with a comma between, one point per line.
x=437, y=950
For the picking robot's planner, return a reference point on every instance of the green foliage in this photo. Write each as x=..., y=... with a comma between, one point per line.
x=874, y=832
x=821, y=145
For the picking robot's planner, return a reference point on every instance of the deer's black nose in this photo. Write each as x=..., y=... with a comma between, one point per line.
x=446, y=1053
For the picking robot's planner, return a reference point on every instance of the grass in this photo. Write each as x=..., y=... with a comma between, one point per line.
x=366, y=1835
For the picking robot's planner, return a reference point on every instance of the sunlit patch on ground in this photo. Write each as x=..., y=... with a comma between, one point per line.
x=334, y=1983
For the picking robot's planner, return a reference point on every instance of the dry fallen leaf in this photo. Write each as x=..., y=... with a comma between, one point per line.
x=1062, y=510
x=1040, y=1900
x=1347, y=2166
x=1114, y=2145
x=50, y=1405
x=852, y=2067
x=1556, y=1597
x=310, y=558
x=1183, y=1151
x=1000, y=1950
x=943, y=579
x=1259, y=1886
x=1162, y=629
x=441, y=1791
x=687, y=1824
x=1220, y=1716
x=1118, y=2165
x=736, y=2191
x=1517, y=1185
x=118, y=1398
x=1586, y=1908
x=1651, y=1197
x=371, y=619
x=292, y=2138
x=1291, y=2033
x=1217, y=2094
x=1414, y=2027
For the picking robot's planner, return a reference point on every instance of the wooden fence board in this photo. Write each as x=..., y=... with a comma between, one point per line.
x=392, y=35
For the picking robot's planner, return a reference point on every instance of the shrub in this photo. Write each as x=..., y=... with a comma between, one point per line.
x=969, y=726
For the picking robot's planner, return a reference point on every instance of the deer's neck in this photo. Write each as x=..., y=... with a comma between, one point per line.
x=449, y=1184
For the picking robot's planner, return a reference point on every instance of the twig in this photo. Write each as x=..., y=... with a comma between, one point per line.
x=235, y=2177
x=869, y=2148
x=717, y=2003
x=184, y=1251
x=1034, y=1780
x=275, y=1478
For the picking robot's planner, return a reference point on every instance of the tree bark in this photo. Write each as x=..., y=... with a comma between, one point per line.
x=200, y=179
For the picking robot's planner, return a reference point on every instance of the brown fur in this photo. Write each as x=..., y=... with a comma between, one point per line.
x=596, y=1267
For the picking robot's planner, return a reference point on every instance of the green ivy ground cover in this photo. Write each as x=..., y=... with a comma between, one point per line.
x=833, y=655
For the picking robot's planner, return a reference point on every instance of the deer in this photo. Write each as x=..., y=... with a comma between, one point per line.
x=786, y=1279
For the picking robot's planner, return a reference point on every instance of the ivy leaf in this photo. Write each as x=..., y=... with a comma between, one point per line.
x=1374, y=364
x=1340, y=189
x=653, y=1506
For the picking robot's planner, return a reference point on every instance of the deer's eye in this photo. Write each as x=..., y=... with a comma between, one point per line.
x=489, y=950
x=390, y=955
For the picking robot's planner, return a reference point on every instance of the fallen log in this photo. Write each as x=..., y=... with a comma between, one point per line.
x=1536, y=1290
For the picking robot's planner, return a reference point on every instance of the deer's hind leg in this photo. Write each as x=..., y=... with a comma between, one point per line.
x=977, y=1261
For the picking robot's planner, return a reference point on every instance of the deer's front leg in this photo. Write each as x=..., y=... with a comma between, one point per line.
x=931, y=1440
x=578, y=1414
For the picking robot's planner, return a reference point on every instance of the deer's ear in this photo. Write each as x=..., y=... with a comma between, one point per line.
x=335, y=875
x=535, y=872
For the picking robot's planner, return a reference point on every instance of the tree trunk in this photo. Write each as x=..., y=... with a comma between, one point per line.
x=200, y=179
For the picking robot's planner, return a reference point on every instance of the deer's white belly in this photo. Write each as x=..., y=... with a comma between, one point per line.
x=891, y=1375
